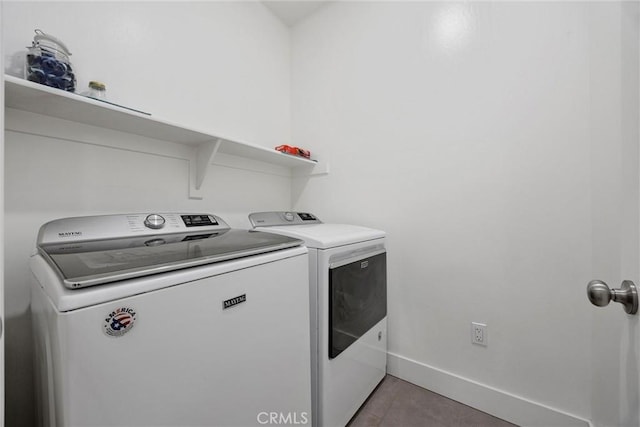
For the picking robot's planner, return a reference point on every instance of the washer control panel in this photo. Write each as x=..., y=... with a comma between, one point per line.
x=270, y=219
x=199, y=220
x=127, y=225
x=154, y=221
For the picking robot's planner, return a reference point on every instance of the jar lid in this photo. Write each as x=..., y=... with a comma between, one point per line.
x=97, y=85
x=50, y=41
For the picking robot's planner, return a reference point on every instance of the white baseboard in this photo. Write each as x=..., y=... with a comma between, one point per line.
x=504, y=405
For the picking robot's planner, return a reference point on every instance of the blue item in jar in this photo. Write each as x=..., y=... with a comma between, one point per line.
x=37, y=75
x=46, y=69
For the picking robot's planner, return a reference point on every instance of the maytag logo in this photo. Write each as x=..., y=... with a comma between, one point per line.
x=70, y=234
x=234, y=301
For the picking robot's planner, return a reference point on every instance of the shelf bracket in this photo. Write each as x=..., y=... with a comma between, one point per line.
x=199, y=165
x=320, y=168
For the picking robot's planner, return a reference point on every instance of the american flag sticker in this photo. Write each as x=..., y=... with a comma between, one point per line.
x=119, y=321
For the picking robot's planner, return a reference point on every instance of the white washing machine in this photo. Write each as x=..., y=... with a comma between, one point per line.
x=348, y=306
x=169, y=320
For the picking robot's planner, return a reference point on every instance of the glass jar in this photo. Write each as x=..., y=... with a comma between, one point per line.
x=96, y=90
x=48, y=63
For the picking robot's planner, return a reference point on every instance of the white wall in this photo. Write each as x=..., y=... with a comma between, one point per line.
x=227, y=63
x=463, y=130
x=222, y=67
x=2, y=340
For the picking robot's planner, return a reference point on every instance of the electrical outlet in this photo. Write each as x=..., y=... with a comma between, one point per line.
x=479, y=333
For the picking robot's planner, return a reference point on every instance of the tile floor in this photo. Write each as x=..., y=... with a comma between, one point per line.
x=397, y=403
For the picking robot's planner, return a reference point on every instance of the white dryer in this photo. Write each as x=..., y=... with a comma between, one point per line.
x=169, y=319
x=348, y=306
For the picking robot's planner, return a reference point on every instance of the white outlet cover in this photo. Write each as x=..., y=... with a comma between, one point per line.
x=479, y=333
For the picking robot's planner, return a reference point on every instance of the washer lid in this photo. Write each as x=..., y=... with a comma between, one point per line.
x=81, y=263
x=65, y=299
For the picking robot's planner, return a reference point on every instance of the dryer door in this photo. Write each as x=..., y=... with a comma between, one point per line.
x=357, y=297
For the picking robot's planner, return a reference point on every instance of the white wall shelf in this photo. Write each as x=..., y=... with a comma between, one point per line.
x=27, y=96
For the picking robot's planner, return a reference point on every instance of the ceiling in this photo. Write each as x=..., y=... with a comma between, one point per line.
x=293, y=11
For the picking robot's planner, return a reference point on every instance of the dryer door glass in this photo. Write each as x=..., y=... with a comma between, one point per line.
x=357, y=300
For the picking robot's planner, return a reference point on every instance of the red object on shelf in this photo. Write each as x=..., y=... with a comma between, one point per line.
x=294, y=151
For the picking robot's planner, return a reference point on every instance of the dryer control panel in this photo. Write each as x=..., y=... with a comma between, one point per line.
x=270, y=219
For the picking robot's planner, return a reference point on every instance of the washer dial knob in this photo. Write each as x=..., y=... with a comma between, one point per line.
x=154, y=221
x=289, y=216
